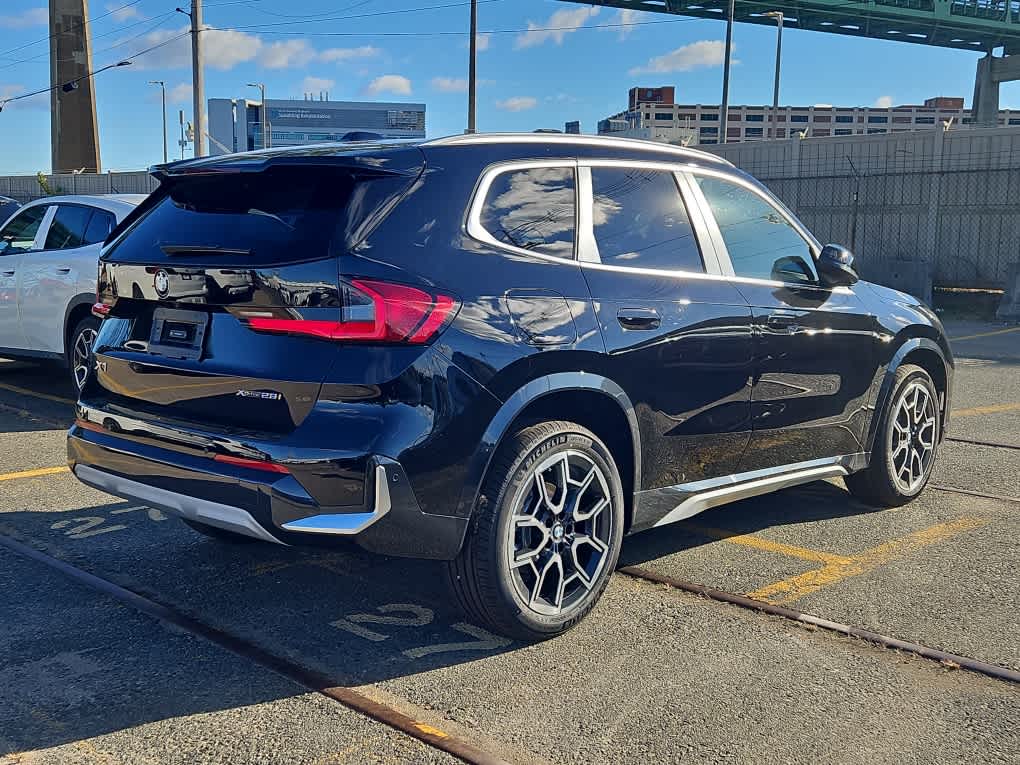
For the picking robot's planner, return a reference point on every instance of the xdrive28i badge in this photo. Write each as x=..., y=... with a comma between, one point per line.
x=161, y=283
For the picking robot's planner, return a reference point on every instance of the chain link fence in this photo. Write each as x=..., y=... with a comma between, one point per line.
x=944, y=202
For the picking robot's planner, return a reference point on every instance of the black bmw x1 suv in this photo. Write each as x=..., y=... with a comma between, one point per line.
x=501, y=351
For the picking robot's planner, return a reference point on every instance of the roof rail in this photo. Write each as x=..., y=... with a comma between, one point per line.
x=585, y=140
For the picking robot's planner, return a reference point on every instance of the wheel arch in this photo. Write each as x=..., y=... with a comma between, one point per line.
x=77, y=309
x=591, y=400
x=927, y=354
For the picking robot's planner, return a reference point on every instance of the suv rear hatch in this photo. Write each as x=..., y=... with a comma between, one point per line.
x=219, y=290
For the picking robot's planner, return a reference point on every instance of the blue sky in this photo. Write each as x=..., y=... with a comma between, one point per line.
x=361, y=49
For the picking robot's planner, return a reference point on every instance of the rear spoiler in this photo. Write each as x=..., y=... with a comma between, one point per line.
x=375, y=160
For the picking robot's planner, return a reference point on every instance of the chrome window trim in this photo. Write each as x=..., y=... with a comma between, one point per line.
x=473, y=224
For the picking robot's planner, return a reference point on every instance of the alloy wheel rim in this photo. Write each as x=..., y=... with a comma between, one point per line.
x=558, y=539
x=912, y=437
x=82, y=353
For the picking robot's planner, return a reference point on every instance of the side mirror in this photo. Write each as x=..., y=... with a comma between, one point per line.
x=836, y=266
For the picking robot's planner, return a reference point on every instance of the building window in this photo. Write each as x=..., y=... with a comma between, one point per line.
x=1014, y=121
x=709, y=131
x=875, y=119
x=844, y=118
x=823, y=118
x=733, y=132
x=874, y=131
x=799, y=118
x=780, y=132
x=664, y=116
x=708, y=141
x=902, y=120
x=710, y=117
x=925, y=121
x=844, y=131
x=754, y=118
x=754, y=132
x=781, y=118
x=821, y=132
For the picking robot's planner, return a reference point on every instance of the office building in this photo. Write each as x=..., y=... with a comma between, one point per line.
x=235, y=124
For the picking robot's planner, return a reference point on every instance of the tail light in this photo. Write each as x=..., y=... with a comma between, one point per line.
x=105, y=299
x=372, y=312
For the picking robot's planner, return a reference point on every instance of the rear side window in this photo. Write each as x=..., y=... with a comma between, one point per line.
x=640, y=220
x=99, y=227
x=278, y=215
x=533, y=209
x=67, y=229
x=19, y=234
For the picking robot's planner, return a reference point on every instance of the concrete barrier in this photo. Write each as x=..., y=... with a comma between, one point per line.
x=910, y=276
x=1009, y=307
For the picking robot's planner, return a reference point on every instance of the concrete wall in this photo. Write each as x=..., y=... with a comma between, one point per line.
x=949, y=199
x=25, y=188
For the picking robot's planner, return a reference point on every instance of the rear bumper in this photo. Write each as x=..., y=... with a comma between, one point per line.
x=269, y=507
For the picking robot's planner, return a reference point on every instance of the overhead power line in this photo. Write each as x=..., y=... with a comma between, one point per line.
x=72, y=28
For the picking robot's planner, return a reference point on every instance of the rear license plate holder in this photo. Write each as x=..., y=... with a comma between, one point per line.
x=178, y=334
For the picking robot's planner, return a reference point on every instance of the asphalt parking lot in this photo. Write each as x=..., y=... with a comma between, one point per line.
x=656, y=674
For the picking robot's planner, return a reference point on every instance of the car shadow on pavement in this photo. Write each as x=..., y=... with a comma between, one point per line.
x=818, y=501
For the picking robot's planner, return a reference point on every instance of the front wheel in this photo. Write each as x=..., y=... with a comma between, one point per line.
x=905, y=444
x=79, y=353
x=546, y=534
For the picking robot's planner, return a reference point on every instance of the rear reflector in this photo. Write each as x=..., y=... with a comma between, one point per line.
x=268, y=467
x=93, y=426
x=100, y=310
x=373, y=311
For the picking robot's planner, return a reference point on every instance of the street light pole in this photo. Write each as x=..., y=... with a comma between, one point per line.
x=262, y=89
x=472, y=76
x=724, y=117
x=779, y=17
x=162, y=87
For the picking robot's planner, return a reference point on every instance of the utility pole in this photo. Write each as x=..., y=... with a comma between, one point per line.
x=724, y=117
x=198, y=77
x=472, y=77
x=182, y=142
x=162, y=87
x=779, y=17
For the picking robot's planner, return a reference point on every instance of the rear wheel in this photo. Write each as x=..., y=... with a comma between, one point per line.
x=79, y=349
x=220, y=535
x=546, y=534
x=905, y=445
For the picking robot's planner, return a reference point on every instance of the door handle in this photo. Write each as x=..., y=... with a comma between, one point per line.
x=64, y=270
x=638, y=318
x=8, y=273
x=788, y=322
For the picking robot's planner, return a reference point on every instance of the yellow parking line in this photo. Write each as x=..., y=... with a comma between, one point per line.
x=747, y=540
x=990, y=409
x=984, y=334
x=26, y=392
x=796, y=587
x=33, y=473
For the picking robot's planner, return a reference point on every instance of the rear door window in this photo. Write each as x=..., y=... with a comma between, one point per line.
x=67, y=229
x=99, y=227
x=533, y=209
x=19, y=234
x=640, y=220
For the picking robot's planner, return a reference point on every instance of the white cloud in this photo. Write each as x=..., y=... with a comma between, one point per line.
x=450, y=84
x=697, y=55
x=120, y=13
x=331, y=55
x=884, y=102
x=316, y=84
x=626, y=16
x=559, y=25
x=179, y=94
x=224, y=49
x=283, y=55
x=389, y=83
x=517, y=104
x=482, y=41
x=33, y=17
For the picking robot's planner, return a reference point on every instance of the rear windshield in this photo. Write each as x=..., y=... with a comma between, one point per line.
x=281, y=214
